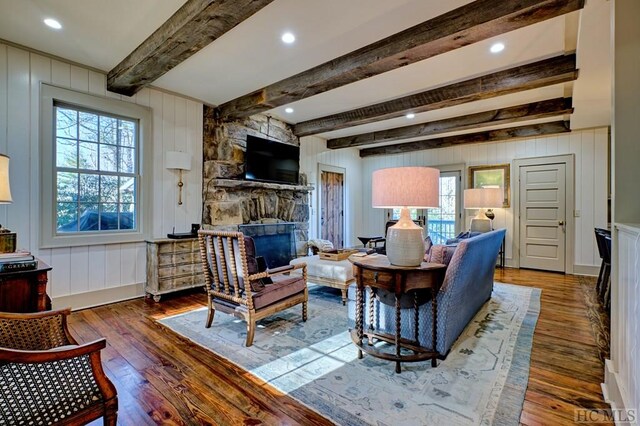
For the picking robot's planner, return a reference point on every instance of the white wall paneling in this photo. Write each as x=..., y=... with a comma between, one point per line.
x=589, y=147
x=177, y=125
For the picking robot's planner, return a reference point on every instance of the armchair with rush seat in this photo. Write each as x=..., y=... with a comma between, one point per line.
x=47, y=378
x=236, y=286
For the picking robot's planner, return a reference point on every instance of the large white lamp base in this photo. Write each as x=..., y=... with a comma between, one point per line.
x=405, y=243
x=480, y=223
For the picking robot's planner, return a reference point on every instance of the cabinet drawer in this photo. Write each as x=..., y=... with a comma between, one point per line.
x=178, y=258
x=179, y=246
x=178, y=283
x=184, y=269
x=381, y=279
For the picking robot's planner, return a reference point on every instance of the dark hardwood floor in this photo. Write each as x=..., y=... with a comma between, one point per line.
x=164, y=379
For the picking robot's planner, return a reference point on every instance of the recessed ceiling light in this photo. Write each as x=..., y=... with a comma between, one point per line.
x=410, y=115
x=288, y=38
x=497, y=47
x=288, y=110
x=52, y=23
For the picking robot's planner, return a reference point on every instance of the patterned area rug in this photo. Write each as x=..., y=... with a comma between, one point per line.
x=482, y=381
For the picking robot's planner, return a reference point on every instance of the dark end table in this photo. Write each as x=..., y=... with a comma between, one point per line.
x=376, y=272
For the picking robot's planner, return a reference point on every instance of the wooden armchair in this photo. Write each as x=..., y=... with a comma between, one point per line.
x=47, y=378
x=235, y=286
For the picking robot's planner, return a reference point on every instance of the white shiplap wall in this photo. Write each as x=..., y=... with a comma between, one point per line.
x=625, y=315
x=313, y=151
x=177, y=125
x=590, y=150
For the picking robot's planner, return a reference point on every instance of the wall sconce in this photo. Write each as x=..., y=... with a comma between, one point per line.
x=178, y=161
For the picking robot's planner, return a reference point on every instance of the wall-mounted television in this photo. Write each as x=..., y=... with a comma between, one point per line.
x=271, y=161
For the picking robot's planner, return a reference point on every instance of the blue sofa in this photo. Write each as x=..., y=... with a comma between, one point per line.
x=468, y=284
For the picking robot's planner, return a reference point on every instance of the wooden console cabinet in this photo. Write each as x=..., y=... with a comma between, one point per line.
x=172, y=265
x=25, y=291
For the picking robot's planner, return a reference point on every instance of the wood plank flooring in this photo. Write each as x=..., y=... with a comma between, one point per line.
x=163, y=379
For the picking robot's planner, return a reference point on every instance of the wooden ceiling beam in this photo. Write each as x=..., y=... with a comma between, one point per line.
x=559, y=69
x=514, y=114
x=480, y=137
x=196, y=24
x=473, y=22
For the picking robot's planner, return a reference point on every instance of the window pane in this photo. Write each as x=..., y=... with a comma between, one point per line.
x=67, y=186
x=442, y=220
x=127, y=160
x=108, y=158
x=127, y=133
x=127, y=216
x=88, y=156
x=66, y=153
x=108, y=130
x=108, y=216
x=88, y=217
x=66, y=123
x=67, y=217
x=89, y=188
x=88, y=126
x=127, y=189
x=109, y=189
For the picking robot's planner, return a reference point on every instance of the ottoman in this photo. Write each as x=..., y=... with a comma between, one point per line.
x=330, y=273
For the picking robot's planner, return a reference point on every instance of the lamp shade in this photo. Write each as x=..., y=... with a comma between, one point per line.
x=483, y=198
x=177, y=160
x=416, y=187
x=5, y=187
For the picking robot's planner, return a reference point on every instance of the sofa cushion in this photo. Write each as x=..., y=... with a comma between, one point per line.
x=255, y=264
x=440, y=254
x=283, y=286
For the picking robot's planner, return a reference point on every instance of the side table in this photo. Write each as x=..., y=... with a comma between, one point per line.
x=376, y=272
x=25, y=291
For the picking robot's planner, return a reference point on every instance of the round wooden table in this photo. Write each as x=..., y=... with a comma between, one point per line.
x=376, y=272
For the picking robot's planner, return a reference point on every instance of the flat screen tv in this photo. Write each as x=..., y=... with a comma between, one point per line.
x=271, y=161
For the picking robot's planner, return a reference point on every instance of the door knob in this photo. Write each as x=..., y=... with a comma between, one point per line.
x=561, y=223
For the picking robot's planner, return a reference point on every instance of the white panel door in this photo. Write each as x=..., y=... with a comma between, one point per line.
x=542, y=217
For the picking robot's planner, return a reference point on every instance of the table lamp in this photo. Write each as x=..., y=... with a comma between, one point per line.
x=405, y=187
x=7, y=238
x=483, y=198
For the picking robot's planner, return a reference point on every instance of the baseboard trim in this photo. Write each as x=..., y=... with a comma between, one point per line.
x=92, y=299
x=611, y=391
x=589, y=270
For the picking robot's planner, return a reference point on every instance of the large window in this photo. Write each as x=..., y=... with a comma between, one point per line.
x=96, y=171
x=93, y=169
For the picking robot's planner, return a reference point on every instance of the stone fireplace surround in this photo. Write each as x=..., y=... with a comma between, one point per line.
x=229, y=200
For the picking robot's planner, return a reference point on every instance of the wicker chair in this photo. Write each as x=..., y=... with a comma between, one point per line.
x=236, y=286
x=47, y=378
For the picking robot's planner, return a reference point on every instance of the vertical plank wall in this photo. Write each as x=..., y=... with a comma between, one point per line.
x=313, y=151
x=177, y=125
x=589, y=147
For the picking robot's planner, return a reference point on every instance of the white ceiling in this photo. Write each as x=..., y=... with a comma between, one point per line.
x=101, y=33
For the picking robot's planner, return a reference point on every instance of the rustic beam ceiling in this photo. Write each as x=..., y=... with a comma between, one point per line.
x=196, y=24
x=514, y=114
x=559, y=69
x=460, y=27
x=480, y=137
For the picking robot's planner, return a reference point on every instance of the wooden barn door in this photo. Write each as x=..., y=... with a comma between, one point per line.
x=332, y=207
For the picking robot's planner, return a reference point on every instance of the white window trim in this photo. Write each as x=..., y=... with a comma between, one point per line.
x=48, y=237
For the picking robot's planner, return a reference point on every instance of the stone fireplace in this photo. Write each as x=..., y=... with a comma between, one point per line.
x=228, y=200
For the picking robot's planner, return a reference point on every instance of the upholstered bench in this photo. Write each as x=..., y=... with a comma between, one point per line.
x=330, y=273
